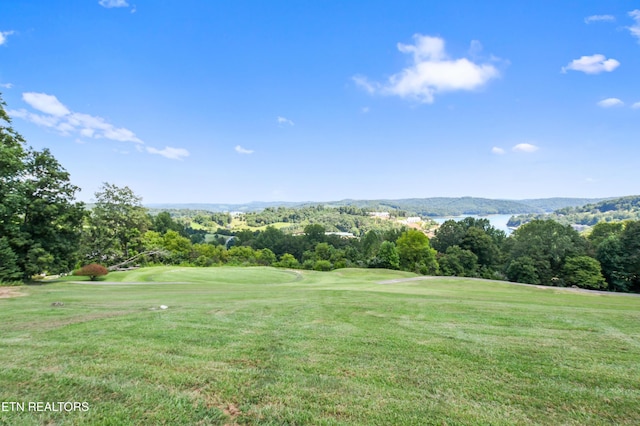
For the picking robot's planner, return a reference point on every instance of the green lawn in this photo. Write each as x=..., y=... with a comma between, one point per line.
x=269, y=346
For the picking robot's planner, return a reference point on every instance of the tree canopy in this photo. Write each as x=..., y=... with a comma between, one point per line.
x=40, y=221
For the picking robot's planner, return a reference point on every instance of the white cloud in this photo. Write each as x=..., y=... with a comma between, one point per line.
x=525, y=147
x=599, y=18
x=6, y=85
x=169, y=152
x=241, y=150
x=365, y=110
x=610, y=102
x=475, y=49
x=40, y=120
x=113, y=3
x=3, y=36
x=48, y=104
x=283, y=121
x=432, y=72
x=56, y=116
x=636, y=105
x=635, y=28
x=594, y=64
x=362, y=81
x=497, y=150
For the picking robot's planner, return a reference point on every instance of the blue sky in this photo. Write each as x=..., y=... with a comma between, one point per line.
x=230, y=102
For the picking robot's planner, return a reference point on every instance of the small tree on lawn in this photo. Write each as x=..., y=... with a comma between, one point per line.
x=93, y=271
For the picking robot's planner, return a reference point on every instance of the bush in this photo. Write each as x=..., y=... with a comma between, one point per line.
x=287, y=260
x=93, y=271
x=322, y=265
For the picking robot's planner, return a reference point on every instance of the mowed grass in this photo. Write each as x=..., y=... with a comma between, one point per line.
x=269, y=346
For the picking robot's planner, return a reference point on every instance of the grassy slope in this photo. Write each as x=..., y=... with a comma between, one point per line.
x=319, y=348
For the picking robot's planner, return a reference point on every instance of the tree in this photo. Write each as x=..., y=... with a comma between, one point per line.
x=323, y=251
x=116, y=224
x=416, y=254
x=93, y=271
x=474, y=235
x=388, y=256
x=271, y=238
x=371, y=243
x=51, y=220
x=266, y=257
x=179, y=246
x=288, y=261
x=242, y=255
x=322, y=265
x=523, y=270
x=458, y=262
x=208, y=254
x=9, y=270
x=449, y=234
x=584, y=271
x=547, y=245
x=482, y=245
x=314, y=234
x=39, y=218
x=163, y=222
x=610, y=254
x=601, y=231
x=630, y=241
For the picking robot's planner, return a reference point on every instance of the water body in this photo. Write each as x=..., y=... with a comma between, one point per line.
x=498, y=221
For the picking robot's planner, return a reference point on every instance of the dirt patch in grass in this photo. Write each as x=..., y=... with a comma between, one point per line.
x=7, y=292
x=233, y=412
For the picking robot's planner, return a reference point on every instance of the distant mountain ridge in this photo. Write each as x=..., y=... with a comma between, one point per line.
x=434, y=206
x=609, y=210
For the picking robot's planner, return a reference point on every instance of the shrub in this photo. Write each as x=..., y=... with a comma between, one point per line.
x=287, y=260
x=322, y=265
x=93, y=271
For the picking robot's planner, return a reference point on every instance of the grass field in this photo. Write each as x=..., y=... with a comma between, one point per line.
x=269, y=346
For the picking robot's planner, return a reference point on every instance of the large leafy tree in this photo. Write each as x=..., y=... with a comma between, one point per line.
x=542, y=246
x=51, y=220
x=630, y=241
x=449, y=234
x=12, y=158
x=116, y=225
x=459, y=262
x=475, y=235
x=387, y=257
x=584, y=271
x=39, y=220
x=416, y=254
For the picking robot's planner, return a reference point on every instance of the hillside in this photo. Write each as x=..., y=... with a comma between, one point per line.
x=610, y=210
x=550, y=205
x=350, y=347
x=435, y=206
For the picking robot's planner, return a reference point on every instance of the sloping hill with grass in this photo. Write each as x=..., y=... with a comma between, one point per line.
x=268, y=346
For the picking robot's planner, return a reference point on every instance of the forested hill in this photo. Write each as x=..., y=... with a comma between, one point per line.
x=552, y=204
x=610, y=210
x=437, y=206
x=253, y=206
